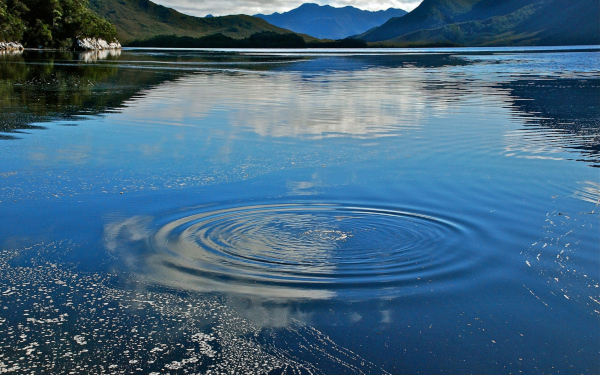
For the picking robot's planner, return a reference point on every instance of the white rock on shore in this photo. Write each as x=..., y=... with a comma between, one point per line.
x=11, y=46
x=93, y=44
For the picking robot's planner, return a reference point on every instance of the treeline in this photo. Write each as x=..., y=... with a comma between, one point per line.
x=266, y=39
x=51, y=23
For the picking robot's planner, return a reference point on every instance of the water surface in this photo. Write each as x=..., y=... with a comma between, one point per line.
x=300, y=212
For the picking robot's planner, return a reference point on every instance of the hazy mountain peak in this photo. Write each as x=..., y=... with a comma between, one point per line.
x=325, y=21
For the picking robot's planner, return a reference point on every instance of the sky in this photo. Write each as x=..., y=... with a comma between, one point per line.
x=201, y=8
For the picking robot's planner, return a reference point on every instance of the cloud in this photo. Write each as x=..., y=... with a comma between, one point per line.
x=201, y=8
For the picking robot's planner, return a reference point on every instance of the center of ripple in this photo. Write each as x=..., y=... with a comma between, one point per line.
x=305, y=251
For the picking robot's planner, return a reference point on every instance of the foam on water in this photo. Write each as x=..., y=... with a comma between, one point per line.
x=58, y=320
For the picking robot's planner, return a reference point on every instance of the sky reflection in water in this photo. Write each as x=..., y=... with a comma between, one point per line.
x=401, y=212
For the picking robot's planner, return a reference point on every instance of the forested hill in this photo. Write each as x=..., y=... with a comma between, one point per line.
x=493, y=22
x=142, y=20
x=57, y=23
x=51, y=23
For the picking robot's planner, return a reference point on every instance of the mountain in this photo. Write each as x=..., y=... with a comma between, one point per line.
x=143, y=19
x=431, y=14
x=327, y=22
x=491, y=22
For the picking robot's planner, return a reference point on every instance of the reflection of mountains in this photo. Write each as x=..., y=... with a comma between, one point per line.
x=42, y=87
x=321, y=95
x=339, y=62
x=309, y=96
x=560, y=114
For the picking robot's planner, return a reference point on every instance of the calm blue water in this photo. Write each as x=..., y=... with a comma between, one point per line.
x=300, y=212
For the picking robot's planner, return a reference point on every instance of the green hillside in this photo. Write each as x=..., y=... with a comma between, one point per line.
x=493, y=23
x=142, y=20
x=430, y=14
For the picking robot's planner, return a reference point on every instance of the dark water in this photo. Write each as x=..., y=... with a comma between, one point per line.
x=285, y=212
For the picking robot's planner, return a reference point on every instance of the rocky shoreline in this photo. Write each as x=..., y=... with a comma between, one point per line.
x=10, y=46
x=85, y=44
x=95, y=44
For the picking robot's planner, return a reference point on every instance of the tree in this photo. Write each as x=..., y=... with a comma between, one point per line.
x=12, y=26
x=51, y=23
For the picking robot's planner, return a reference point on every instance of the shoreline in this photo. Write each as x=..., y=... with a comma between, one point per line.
x=11, y=47
x=96, y=44
x=82, y=45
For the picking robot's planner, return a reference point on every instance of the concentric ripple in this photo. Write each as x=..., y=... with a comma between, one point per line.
x=306, y=251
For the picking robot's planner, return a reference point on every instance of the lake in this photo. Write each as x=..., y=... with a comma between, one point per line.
x=300, y=212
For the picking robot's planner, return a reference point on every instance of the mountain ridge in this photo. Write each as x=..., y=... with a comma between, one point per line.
x=327, y=22
x=489, y=23
x=143, y=20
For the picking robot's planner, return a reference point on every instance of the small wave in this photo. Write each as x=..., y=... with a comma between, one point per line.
x=589, y=193
x=314, y=251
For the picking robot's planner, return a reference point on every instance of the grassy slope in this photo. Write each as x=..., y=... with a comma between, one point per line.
x=429, y=14
x=566, y=22
x=142, y=19
x=497, y=30
x=547, y=22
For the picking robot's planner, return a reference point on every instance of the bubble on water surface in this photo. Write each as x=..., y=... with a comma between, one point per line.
x=55, y=319
x=295, y=250
x=558, y=258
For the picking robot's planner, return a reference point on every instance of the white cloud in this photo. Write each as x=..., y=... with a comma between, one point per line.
x=225, y=7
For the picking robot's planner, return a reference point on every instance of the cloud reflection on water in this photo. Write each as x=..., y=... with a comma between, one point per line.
x=288, y=106
x=373, y=96
x=185, y=265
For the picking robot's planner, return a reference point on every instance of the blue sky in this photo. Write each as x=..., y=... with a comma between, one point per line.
x=226, y=7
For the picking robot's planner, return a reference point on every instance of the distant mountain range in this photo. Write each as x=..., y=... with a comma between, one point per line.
x=493, y=22
x=327, y=22
x=432, y=23
x=143, y=20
